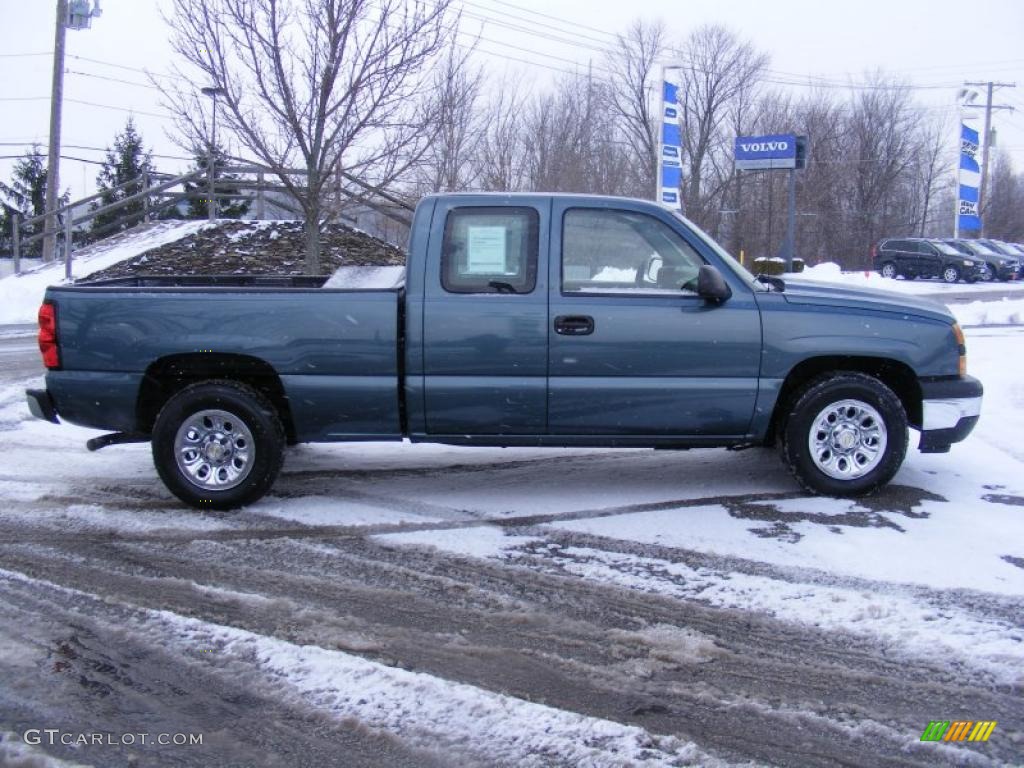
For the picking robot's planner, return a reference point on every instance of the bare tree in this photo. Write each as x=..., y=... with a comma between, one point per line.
x=932, y=166
x=325, y=85
x=721, y=69
x=1004, y=220
x=632, y=65
x=447, y=163
x=499, y=158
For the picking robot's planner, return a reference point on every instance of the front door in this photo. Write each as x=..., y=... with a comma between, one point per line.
x=633, y=349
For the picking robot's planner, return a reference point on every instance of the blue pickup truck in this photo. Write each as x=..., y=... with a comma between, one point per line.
x=523, y=320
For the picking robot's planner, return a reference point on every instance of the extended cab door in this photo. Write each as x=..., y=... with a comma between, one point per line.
x=485, y=317
x=633, y=349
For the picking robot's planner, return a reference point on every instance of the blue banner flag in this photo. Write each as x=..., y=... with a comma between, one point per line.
x=670, y=160
x=968, y=215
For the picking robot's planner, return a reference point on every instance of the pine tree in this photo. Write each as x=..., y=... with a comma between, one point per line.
x=126, y=161
x=26, y=194
x=234, y=206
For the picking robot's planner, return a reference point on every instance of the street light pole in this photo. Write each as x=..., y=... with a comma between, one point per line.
x=211, y=204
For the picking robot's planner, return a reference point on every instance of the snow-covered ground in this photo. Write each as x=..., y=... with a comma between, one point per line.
x=21, y=295
x=521, y=607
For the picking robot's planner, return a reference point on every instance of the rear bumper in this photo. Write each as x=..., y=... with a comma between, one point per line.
x=950, y=408
x=40, y=404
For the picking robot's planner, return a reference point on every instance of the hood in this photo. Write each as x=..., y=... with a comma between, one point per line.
x=830, y=294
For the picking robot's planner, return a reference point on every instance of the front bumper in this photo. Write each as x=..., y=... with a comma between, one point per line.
x=975, y=273
x=1007, y=272
x=950, y=408
x=40, y=404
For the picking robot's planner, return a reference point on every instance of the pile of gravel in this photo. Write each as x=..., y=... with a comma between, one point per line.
x=257, y=248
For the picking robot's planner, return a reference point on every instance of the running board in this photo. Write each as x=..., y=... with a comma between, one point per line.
x=116, y=438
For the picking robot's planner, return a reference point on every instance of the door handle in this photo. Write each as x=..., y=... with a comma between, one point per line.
x=574, y=325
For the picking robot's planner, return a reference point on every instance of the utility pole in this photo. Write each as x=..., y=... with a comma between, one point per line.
x=53, y=161
x=75, y=14
x=989, y=86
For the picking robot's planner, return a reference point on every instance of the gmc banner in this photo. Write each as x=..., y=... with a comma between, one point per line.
x=968, y=215
x=670, y=160
x=763, y=153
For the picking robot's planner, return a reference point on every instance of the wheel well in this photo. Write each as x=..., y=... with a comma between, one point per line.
x=171, y=374
x=899, y=377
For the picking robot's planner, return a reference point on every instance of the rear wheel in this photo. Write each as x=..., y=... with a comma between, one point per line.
x=889, y=270
x=845, y=434
x=218, y=445
x=951, y=274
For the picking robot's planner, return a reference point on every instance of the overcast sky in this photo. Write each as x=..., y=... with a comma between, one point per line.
x=935, y=43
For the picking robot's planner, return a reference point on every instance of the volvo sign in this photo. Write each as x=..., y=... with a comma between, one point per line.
x=763, y=153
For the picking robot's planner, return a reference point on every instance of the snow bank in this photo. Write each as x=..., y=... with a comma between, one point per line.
x=1002, y=312
x=21, y=295
x=829, y=272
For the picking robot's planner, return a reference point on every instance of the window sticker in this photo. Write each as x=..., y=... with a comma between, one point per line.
x=486, y=251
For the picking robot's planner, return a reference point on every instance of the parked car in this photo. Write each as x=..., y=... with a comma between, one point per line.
x=525, y=320
x=925, y=257
x=1008, y=264
x=994, y=264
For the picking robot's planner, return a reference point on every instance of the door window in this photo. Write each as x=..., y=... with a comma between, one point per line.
x=490, y=250
x=615, y=251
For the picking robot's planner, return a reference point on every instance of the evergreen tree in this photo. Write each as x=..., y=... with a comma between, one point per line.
x=26, y=194
x=128, y=160
x=235, y=206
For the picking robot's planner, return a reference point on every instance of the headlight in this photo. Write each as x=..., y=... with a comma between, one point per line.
x=968, y=263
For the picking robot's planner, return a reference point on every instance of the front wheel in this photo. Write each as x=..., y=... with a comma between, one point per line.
x=951, y=274
x=845, y=434
x=218, y=445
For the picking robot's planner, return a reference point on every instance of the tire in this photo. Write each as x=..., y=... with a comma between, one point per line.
x=950, y=274
x=218, y=445
x=859, y=403
x=990, y=273
x=888, y=270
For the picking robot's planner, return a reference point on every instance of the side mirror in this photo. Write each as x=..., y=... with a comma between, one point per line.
x=711, y=286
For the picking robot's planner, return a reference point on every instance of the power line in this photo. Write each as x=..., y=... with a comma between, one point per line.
x=556, y=18
x=164, y=116
x=111, y=79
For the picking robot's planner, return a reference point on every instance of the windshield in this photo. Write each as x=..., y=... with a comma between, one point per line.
x=982, y=250
x=945, y=248
x=738, y=269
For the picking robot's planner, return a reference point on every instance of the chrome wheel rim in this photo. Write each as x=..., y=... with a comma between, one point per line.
x=214, y=450
x=950, y=275
x=847, y=439
x=888, y=270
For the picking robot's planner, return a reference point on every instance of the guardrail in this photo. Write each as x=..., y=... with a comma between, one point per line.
x=157, y=193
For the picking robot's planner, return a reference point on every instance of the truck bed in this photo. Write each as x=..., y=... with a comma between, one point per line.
x=335, y=352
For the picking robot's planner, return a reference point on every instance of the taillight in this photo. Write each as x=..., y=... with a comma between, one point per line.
x=961, y=348
x=48, y=335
